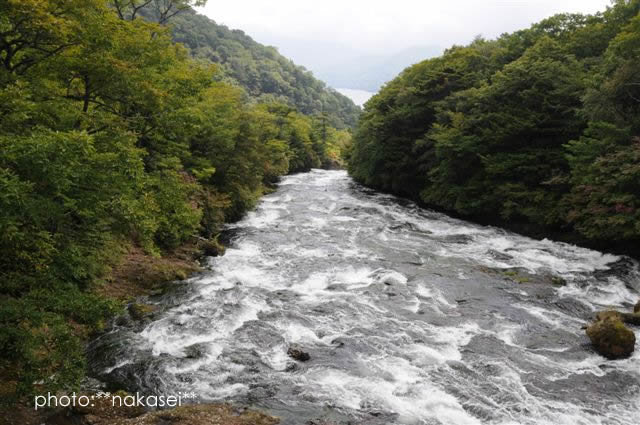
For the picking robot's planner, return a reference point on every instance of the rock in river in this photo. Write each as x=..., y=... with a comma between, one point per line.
x=628, y=318
x=611, y=337
x=296, y=353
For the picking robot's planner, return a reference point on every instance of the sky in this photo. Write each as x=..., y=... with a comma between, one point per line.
x=325, y=35
x=370, y=25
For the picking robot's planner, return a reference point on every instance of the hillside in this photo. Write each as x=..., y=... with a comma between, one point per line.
x=537, y=130
x=264, y=73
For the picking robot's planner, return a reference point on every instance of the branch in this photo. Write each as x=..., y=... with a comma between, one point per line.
x=136, y=9
x=629, y=93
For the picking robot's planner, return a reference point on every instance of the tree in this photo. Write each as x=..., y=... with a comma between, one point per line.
x=265, y=75
x=537, y=130
x=390, y=150
x=163, y=10
x=113, y=136
x=605, y=161
x=128, y=9
x=167, y=9
x=32, y=31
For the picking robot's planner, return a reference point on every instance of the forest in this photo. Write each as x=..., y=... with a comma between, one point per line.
x=266, y=75
x=537, y=130
x=111, y=136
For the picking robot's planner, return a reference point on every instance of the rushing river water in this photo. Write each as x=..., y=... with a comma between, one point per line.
x=409, y=316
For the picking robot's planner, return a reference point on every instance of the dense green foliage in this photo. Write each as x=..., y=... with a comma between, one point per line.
x=111, y=135
x=539, y=129
x=264, y=73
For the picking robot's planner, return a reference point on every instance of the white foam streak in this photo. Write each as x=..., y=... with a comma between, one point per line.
x=399, y=389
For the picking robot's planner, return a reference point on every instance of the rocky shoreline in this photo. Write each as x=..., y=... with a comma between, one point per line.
x=104, y=413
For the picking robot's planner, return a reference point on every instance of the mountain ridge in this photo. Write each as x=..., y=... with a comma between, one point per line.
x=264, y=73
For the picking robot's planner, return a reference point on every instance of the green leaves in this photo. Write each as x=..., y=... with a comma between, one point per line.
x=177, y=219
x=32, y=31
x=605, y=164
x=111, y=135
x=66, y=201
x=485, y=129
x=261, y=71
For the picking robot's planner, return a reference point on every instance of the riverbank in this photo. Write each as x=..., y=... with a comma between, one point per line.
x=103, y=413
x=139, y=273
x=134, y=273
x=629, y=248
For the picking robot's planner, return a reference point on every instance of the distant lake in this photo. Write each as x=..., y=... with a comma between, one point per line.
x=359, y=97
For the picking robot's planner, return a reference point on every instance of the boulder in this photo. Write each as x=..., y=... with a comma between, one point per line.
x=196, y=351
x=636, y=309
x=140, y=311
x=631, y=318
x=608, y=315
x=212, y=248
x=610, y=337
x=628, y=318
x=297, y=354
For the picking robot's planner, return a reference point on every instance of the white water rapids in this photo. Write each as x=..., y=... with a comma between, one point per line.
x=407, y=314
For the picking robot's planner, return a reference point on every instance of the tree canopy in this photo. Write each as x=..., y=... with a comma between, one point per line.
x=537, y=129
x=265, y=74
x=112, y=135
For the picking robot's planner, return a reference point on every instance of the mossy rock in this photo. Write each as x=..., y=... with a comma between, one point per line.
x=208, y=414
x=180, y=274
x=169, y=272
x=154, y=275
x=631, y=318
x=140, y=311
x=609, y=315
x=636, y=309
x=522, y=276
x=515, y=276
x=203, y=414
x=610, y=337
x=628, y=318
x=212, y=248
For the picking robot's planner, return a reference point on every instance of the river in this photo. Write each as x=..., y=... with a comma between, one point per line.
x=359, y=97
x=409, y=316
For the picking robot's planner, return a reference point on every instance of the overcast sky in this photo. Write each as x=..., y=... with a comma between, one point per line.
x=370, y=25
x=361, y=44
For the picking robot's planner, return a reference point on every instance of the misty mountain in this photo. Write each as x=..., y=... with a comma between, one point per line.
x=344, y=67
x=264, y=73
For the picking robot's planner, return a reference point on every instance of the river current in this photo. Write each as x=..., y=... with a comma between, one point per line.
x=409, y=317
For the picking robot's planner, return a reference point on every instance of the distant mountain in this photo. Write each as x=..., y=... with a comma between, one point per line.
x=371, y=72
x=265, y=74
x=343, y=67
